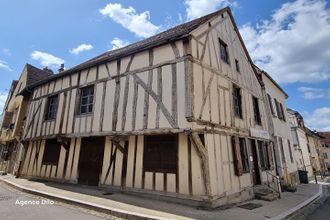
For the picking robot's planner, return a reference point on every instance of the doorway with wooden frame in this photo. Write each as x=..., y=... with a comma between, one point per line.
x=255, y=171
x=91, y=160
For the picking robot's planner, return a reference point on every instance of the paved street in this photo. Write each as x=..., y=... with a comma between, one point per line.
x=323, y=212
x=12, y=207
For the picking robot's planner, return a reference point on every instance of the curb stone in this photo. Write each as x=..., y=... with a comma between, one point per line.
x=99, y=208
x=302, y=210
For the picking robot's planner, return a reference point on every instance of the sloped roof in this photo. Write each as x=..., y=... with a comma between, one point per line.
x=35, y=74
x=167, y=36
x=176, y=32
x=260, y=71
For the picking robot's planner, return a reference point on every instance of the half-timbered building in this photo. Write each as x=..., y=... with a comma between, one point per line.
x=13, y=118
x=180, y=114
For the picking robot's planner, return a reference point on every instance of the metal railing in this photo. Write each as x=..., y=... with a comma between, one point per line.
x=276, y=180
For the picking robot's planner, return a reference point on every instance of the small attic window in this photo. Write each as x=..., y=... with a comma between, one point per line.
x=210, y=24
x=222, y=15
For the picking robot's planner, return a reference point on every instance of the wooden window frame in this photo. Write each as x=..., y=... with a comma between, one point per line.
x=237, y=101
x=52, y=152
x=256, y=110
x=156, y=161
x=264, y=158
x=52, y=107
x=224, y=53
x=89, y=105
x=244, y=155
x=280, y=110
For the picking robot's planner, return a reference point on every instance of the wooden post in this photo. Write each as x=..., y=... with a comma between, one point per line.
x=203, y=154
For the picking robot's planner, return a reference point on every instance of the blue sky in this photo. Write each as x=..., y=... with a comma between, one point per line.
x=289, y=39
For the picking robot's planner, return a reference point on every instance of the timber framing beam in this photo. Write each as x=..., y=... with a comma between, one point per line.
x=203, y=154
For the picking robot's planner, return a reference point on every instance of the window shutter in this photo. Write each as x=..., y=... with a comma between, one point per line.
x=237, y=156
x=270, y=156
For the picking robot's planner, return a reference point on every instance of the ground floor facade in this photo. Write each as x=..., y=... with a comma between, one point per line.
x=9, y=156
x=223, y=171
x=286, y=167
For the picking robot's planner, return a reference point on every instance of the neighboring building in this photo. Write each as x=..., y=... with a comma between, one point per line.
x=181, y=114
x=285, y=161
x=14, y=113
x=300, y=142
x=316, y=156
x=325, y=142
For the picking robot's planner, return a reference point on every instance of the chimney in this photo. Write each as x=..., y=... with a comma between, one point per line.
x=48, y=70
x=61, y=69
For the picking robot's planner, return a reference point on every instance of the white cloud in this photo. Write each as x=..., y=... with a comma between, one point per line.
x=3, y=98
x=4, y=65
x=294, y=45
x=46, y=59
x=319, y=119
x=81, y=48
x=198, y=8
x=118, y=43
x=314, y=93
x=139, y=24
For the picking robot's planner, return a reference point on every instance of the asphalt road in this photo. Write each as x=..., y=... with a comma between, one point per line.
x=18, y=205
x=323, y=212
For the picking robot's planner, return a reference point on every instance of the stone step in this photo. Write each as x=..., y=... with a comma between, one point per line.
x=262, y=191
x=268, y=197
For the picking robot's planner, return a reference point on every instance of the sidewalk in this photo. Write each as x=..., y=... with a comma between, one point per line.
x=130, y=206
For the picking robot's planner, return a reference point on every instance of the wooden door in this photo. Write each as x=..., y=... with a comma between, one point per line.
x=91, y=160
x=255, y=164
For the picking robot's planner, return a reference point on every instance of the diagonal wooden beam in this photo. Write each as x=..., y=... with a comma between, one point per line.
x=32, y=119
x=121, y=148
x=207, y=93
x=203, y=154
x=167, y=114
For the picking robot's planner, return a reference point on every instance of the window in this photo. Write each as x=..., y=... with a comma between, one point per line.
x=271, y=104
x=237, y=66
x=280, y=111
x=52, y=107
x=160, y=153
x=51, y=152
x=240, y=155
x=263, y=155
x=86, y=100
x=244, y=155
x=325, y=155
x=290, y=151
x=224, y=51
x=309, y=149
x=237, y=101
x=282, y=150
x=257, y=117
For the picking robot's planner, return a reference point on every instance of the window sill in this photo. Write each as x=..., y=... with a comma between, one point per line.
x=84, y=115
x=49, y=120
x=49, y=163
x=228, y=63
